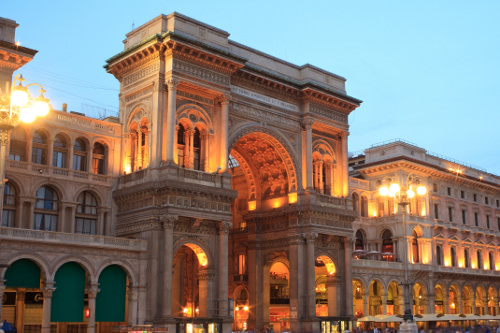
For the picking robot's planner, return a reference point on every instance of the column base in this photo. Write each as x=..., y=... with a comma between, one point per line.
x=408, y=327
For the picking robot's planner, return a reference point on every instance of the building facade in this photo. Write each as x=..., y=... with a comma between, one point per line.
x=217, y=201
x=451, y=239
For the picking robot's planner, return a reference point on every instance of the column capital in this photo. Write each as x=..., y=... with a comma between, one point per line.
x=224, y=227
x=93, y=290
x=224, y=99
x=307, y=124
x=172, y=83
x=310, y=236
x=168, y=220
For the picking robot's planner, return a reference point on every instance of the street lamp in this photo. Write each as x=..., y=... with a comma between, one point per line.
x=18, y=106
x=403, y=194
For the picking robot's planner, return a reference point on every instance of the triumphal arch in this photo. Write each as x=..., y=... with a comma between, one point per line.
x=234, y=169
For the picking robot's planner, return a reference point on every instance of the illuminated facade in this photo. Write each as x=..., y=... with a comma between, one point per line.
x=219, y=199
x=452, y=234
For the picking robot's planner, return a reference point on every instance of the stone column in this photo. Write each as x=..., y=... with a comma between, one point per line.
x=224, y=131
x=347, y=278
x=307, y=125
x=384, y=304
x=204, y=151
x=344, y=178
x=20, y=297
x=255, y=283
x=310, y=276
x=176, y=142
x=170, y=121
x=331, y=285
x=204, y=277
x=168, y=222
x=190, y=147
x=48, y=290
x=132, y=306
x=223, y=269
x=92, y=294
x=297, y=283
x=366, y=309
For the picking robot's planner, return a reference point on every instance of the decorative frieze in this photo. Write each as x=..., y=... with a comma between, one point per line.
x=200, y=73
x=249, y=112
x=140, y=74
x=329, y=113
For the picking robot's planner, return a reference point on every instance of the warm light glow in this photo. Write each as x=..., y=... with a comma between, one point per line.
x=446, y=263
x=393, y=189
x=27, y=115
x=473, y=265
x=41, y=107
x=276, y=203
x=292, y=197
x=245, y=308
x=197, y=310
x=410, y=193
x=252, y=205
x=374, y=213
x=200, y=254
x=485, y=266
x=19, y=96
x=127, y=169
x=185, y=310
x=421, y=190
x=383, y=191
x=237, y=308
x=460, y=264
x=452, y=305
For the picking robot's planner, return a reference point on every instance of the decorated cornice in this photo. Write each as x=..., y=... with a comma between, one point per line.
x=13, y=56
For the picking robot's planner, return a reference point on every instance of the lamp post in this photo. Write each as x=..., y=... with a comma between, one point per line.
x=15, y=107
x=403, y=194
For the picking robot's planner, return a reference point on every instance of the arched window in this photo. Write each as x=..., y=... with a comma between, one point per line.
x=80, y=155
x=39, y=149
x=60, y=152
x=138, y=145
x=9, y=205
x=359, y=244
x=439, y=255
x=387, y=246
x=453, y=254
x=180, y=145
x=46, y=209
x=197, y=150
x=319, y=175
x=414, y=247
x=86, y=214
x=364, y=206
x=355, y=202
x=466, y=258
x=479, y=259
x=17, y=144
x=99, y=159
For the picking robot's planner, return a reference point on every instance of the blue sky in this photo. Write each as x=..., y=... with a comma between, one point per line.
x=427, y=71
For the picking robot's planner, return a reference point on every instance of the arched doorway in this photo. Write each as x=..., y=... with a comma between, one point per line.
x=279, y=298
x=241, y=309
x=439, y=299
x=394, y=299
x=358, y=295
x=23, y=297
x=326, y=287
x=376, y=292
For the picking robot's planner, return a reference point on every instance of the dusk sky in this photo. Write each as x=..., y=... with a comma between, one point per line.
x=428, y=72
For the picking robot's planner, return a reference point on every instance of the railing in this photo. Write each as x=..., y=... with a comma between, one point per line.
x=43, y=169
x=344, y=203
x=69, y=238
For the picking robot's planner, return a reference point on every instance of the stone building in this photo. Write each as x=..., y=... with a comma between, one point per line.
x=217, y=201
x=452, y=235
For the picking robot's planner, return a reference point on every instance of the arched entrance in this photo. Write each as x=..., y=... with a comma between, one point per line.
x=376, y=292
x=358, y=296
x=326, y=285
x=394, y=299
x=279, y=298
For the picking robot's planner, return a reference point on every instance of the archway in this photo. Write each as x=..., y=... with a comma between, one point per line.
x=326, y=286
x=467, y=298
x=191, y=282
x=439, y=299
x=419, y=298
x=279, y=298
x=376, y=292
x=358, y=298
x=241, y=309
x=480, y=298
x=394, y=299
x=492, y=297
x=23, y=298
x=111, y=302
x=453, y=299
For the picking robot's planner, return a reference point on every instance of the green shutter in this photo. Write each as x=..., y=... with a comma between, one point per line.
x=67, y=300
x=110, y=302
x=23, y=273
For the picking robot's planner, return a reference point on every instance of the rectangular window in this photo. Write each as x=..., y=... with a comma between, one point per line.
x=8, y=218
x=476, y=219
x=38, y=155
x=45, y=222
x=242, y=265
x=79, y=163
x=498, y=203
x=450, y=214
x=474, y=196
x=464, y=216
x=434, y=187
x=498, y=222
x=59, y=159
x=436, y=211
x=487, y=221
x=486, y=201
x=85, y=226
x=462, y=194
x=449, y=190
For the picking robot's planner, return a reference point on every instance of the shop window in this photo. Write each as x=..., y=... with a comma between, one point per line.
x=86, y=214
x=46, y=209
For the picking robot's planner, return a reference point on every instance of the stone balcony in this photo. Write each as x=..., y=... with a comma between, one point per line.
x=71, y=239
x=41, y=170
